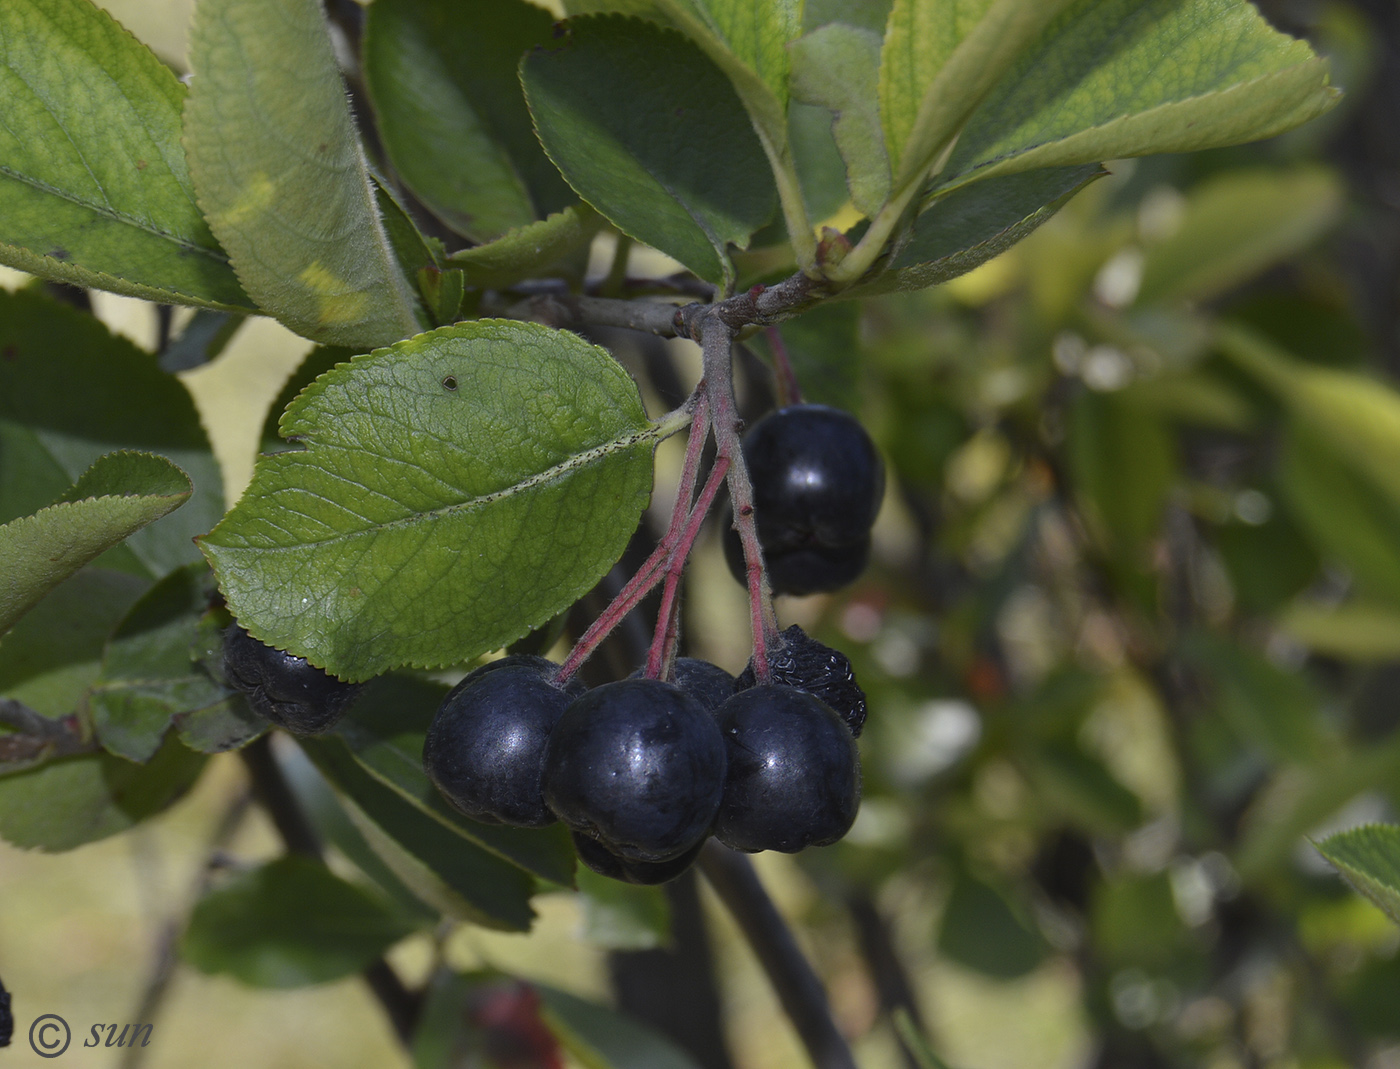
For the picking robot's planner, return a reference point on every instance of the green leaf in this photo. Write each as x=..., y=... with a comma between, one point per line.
x=530, y=250
x=70, y=392
x=227, y=724
x=440, y=866
x=1123, y=460
x=385, y=729
x=77, y=800
x=967, y=228
x=1358, y=417
x=451, y=115
x=1235, y=226
x=50, y=658
x=1346, y=515
x=1072, y=783
x=1303, y=798
x=1135, y=922
x=1115, y=78
x=289, y=923
x=837, y=67
x=1369, y=858
x=1275, y=710
x=980, y=930
x=622, y=916
x=649, y=160
x=94, y=188
x=821, y=171
x=282, y=178
x=938, y=61
x=150, y=678
x=601, y=1038
x=117, y=496
x=1354, y=631
x=455, y=491
x=326, y=812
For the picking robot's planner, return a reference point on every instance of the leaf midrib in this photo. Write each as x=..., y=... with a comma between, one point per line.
x=114, y=214
x=975, y=173
x=553, y=473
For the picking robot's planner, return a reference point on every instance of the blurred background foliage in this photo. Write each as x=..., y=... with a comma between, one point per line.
x=1131, y=636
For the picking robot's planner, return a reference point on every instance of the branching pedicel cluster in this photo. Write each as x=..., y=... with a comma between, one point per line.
x=643, y=770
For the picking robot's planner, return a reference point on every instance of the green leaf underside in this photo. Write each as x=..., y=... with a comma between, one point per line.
x=529, y=249
x=919, y=38
x=50, y=658
x=601, y=1038
x=967, y=228
x=1369, y=858
x=332, y=821
x=117, y=496
x=446, y=871
x=78, y=800
x=1345, y=434
x=1235, y=226
x=384, y=730
x=444, y=82
x=149, y=679
x=94, y=188
x=1346, y=514
x=1115, y=78
x=651, y=161
x=289, y=923
x=71, y=392
x=455, y=491
x=281, y=176
x=837, y=67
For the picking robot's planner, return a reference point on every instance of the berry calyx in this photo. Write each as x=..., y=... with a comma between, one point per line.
x=801, y=661
x=485, y=749
x=793, y=776
x=286, y=689
x=817, y=485
x=637, y=765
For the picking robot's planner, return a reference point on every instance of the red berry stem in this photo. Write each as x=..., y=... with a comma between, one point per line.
x=788, y=389
x=652, y=570
x=663, y=645
x=716, y=343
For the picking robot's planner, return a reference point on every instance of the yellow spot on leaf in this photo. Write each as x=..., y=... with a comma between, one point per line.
x=336, y=302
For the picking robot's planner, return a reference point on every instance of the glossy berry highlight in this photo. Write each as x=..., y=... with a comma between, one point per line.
x=637, y=765
x=793, y=776
x=818, y=481
x=485, y=749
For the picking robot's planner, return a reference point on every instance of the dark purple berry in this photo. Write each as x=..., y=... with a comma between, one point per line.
x=288, y=690
x=637, y=765
x=707, y=683
x=817, y=485
x=803, y=662
x=485, y=748
x=805, y=570
x=605, y=863
x=794, y=773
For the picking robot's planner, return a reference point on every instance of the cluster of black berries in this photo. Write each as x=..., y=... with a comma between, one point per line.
x=817, y=485
x=642, y=771
x=288, y=690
